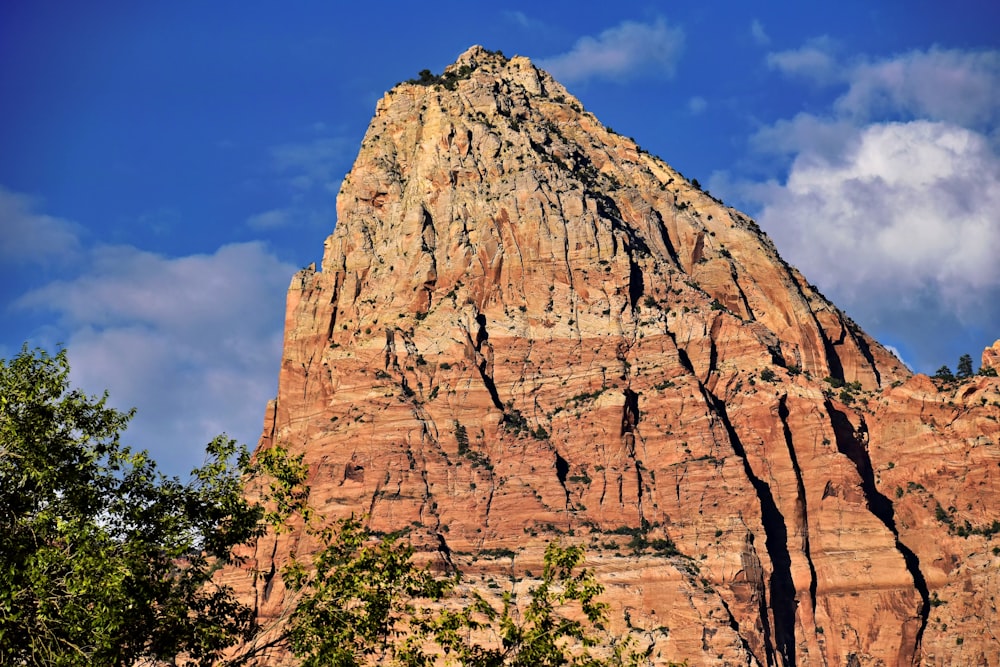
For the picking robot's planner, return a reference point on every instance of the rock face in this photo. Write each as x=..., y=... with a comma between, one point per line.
x=526, y=327
x=991, y=357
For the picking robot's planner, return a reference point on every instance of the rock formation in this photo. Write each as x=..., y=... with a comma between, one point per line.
x=526, y=327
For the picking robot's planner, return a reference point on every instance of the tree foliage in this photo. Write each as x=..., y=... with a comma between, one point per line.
x=104, y=561
x=964, y=368
x=944, y=374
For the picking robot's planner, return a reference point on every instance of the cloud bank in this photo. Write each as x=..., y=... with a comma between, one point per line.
x=30, y=237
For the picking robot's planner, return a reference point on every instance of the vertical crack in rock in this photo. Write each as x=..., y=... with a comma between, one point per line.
x=482, y=336
x=802, y=508
x=562, y=472
x=269, y=575
x=713, y=349
x=630, y=418
x=445, y=552
x=390, y=349
x=782, y=588
x=850, y=445
x=832, y=358
x=636, y=285
x=661, y=227
x=734, y=274
x=754, y=574
x=334, y=296
x=866, y=352
x=734, y=624
x=682, y=354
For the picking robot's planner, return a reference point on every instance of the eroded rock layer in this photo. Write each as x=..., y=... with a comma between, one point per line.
x=525, y=326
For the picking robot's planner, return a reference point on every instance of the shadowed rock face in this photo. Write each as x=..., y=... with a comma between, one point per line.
x=525, y=327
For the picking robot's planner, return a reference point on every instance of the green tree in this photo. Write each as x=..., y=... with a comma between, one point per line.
x=964, y=369
x=944, y=373
x=105, y=561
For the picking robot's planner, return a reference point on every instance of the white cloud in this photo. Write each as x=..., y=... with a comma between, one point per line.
x=759, y=35
x=625, y=51
x=192, y=342
x=909, y=206
x=813, y=62
x=697, y=104
x=27, y=236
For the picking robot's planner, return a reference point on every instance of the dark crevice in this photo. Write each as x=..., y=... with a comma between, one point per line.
x=832, y=358
x=269, y=575
x=681, y=354
x=800, y=497
x=735, y=626
x=751, y=564
x=390, y=349
x=481, y=335
x=638, y=481
x=665, y=238
x=713, y=350
x=782, y=587
x=630, y=413
x=636, y=285
x=491, y=386
x=850, y=445
x=743, y=297
x=866, y=352
x=445, y=552
x=562, y=472
x=777, y=358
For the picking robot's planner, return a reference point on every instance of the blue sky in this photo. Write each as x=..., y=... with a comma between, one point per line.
x=166, y=167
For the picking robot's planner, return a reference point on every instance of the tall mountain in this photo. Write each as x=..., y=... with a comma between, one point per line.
x=526, y=327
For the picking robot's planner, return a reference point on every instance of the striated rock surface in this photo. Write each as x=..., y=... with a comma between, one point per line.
x=526, y=327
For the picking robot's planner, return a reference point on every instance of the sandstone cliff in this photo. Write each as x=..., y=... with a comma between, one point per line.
x=525, y=326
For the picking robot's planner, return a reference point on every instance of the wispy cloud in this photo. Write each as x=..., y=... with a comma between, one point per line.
x=628, y=50
x=313, y=164
x=272, y=219
x=522, y=20
x=955, y=86
x=697, y=104
x=29, y=236
x=758, y=33
x=815, y=61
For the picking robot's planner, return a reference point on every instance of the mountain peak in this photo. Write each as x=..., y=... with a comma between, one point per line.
x=526, y=327
x=476, y=55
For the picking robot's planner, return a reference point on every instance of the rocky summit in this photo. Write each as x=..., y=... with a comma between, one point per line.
x=525, y=327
